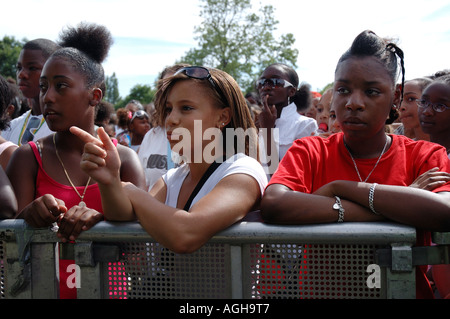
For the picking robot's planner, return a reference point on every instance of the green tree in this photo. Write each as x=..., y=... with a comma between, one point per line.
x=112, y=89
x=141, y=92
x=9, y=54
x=235, y=39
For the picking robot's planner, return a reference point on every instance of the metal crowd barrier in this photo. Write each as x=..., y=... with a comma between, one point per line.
x=250, y=260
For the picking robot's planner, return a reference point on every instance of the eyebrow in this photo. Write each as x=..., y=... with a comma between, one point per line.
x=365, y=82
x=56, y=77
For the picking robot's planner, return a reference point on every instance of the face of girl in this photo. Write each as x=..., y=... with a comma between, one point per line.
x=28, y=71
x=408, y=108
x=436, y=123
x=64, y=98
x=190, y=107
x=277, y=95
x=140, y=125
x=363, y=96
x=323, y=108
x=333, y=125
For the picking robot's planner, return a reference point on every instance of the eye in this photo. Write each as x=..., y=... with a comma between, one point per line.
x=342, y=90
x=187, y=108
x=373, y=92
x=61, y=85
x=411, y=99
x=167, y=110
x=43, y=87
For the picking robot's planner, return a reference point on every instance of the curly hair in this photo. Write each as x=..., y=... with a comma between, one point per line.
x=5, y=100
x=86, y=47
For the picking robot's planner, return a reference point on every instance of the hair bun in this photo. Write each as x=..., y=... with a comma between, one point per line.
x=92, y=39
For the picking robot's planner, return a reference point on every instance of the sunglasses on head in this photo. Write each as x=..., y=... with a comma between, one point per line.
x=139, y=114
x=200, y=73
x=273, y=83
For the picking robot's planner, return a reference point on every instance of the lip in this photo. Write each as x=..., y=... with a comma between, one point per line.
x=173, y=137
x=404, y=116
x=49, y=114
x=426, y=123
x=353, y=121
x=22, y=85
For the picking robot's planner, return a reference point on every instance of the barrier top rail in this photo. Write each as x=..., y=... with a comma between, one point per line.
x=240, y=233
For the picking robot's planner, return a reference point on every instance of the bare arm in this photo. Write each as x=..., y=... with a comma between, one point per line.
x=8, y=206
x=407, y=205
x=183, y=231
x=22, y=172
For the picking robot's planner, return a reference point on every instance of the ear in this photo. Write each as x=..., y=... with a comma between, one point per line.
x=397, y=95
x=96, y=96
x=224, y=117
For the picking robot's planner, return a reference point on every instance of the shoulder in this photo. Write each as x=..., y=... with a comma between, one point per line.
x=401, y=141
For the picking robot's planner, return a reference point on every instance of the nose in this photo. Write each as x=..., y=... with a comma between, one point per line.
x=427, y=111
x=46, y=95
x=21, y=73
x=355, y=102
x=172, y=119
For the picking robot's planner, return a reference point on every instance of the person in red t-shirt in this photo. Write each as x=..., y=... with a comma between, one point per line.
x=362, y=173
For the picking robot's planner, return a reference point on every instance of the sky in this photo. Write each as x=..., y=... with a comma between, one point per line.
x=150, y=35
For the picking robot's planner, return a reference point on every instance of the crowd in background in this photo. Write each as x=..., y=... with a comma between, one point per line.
x=66, y=150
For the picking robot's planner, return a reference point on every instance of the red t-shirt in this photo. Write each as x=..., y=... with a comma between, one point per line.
x=312, y=162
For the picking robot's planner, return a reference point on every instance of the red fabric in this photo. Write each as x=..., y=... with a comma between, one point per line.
x=312, y=162
x=47, y=185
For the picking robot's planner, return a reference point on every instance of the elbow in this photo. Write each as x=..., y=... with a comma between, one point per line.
x=270, y=209
x=8, y=213
x=184, y=245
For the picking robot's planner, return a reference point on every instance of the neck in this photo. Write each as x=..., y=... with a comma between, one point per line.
x=35, y=106
x=443, y=140
x=67, y=141
x=367, y=148
x=420, y=135
x=280, y=107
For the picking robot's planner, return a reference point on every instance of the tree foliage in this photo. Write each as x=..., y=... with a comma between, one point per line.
x=242, y=43
x=9, y=54
x=112, y=89
x=143, y=93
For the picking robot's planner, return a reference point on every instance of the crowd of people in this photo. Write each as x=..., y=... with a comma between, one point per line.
x=373, y=147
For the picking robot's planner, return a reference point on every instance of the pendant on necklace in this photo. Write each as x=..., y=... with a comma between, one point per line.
x=82, y=204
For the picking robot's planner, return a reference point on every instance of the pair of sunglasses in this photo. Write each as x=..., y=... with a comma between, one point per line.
x=273, y=83
x=139, y=114
x=201, y=73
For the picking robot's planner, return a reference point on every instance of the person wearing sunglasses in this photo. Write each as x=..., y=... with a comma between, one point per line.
x=218, y=184
x=155, y=153
x=281, y=100
x=139, y=126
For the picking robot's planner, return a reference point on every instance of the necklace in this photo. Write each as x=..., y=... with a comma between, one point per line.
x=376, y=164
x=82, y=203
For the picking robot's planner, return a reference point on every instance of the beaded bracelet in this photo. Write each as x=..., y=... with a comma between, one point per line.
x=371, y=194
x=338, y=206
